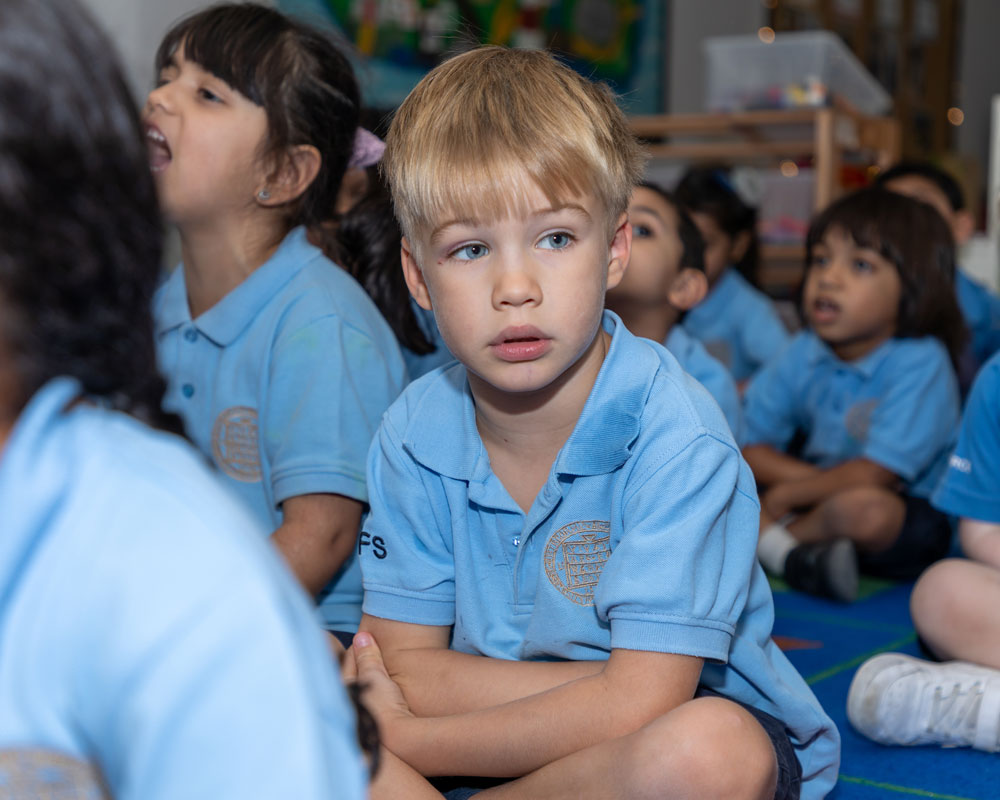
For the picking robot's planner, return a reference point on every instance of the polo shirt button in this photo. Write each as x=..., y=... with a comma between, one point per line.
x=191, y=334
x=187, y=390
x=516, y=541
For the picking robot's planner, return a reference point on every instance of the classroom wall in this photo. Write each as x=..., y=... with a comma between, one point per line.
x=136, y=27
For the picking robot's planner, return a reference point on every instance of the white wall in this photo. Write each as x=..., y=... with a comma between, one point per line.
x=136, y=27
x=690, y=23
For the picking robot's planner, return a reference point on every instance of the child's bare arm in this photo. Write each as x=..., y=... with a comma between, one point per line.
x=771, y=466
x=808, y=491
x=317, y=535
x=518, y=737
x=980, y=540
x=437, y=681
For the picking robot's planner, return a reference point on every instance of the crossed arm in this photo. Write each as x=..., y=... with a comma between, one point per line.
x=791, y=484
x=472, y=715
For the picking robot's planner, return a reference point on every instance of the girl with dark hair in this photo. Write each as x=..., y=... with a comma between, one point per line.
x=149, y=647
x=869, y=389
x=736, y=322
x=278, y=362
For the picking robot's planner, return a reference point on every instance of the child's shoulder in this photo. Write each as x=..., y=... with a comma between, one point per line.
x=923, y=353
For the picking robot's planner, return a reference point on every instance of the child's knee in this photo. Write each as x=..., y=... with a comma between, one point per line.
x=934, y=596
x=869, y=515
x=710, y=747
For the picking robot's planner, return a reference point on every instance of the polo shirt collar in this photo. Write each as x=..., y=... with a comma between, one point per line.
x=226, y=320
x=600, y=443
x=866, y=366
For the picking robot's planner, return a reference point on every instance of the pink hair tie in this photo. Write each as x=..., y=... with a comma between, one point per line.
x=368, y=149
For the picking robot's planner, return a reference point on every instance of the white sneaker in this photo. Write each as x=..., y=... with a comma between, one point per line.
x=901, y=700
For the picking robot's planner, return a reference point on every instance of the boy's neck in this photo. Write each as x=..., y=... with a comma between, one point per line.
x=523, y=433
x=216, y=260
x=649, y=322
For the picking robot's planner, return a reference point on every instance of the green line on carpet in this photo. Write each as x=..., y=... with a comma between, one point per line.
x=867, y=586
x=902, y=789
x=845, y=622
x=829, y=672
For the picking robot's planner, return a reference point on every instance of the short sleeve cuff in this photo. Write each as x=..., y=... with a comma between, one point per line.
x=898, y=463
x=960, y=501
x=683, y=638
x=419, y=610
x=293, y=484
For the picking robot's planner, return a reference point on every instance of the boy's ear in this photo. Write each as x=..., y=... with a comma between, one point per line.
x=414, y=275
x=619, y=251
x=688, y=289
x=299, y=169
x=962, y=226
x=741, y=242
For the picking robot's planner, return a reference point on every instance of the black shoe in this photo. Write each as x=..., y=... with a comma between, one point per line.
x=825, y=569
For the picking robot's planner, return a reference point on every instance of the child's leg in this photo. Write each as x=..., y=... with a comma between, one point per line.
x=954, y=608
x=396, y=779
x=869, y=516
x=708, y=747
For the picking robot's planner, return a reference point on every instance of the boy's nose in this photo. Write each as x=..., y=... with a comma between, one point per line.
x=515, y=285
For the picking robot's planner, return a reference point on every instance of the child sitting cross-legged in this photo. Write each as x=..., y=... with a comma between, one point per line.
x=559, y=563
x=665, y=278
x=869, y=389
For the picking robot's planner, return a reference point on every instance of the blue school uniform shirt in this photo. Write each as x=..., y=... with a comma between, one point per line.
x=282, y=384
x=642, y=538
x=981, y=309
x=709, y=372
x=147, y=628
x=898, y=406
x=738, y=325
x=971, y=485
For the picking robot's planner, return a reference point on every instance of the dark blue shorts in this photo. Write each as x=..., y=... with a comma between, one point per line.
x=789, y=769
x=924, y=538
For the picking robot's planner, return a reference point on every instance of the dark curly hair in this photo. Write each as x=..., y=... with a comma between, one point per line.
x=917, y=241
x=296, y=73
x=80, y=237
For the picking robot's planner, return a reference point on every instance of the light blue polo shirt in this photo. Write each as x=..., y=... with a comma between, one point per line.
x=981, y=309
x=420, y=364
x=282, y=384
x=898, y=406
x=147, y=628
x=642, y=538
x=971, y=485
x=738, y=325
x=709, y=372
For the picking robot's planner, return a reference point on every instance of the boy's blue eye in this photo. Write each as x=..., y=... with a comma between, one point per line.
x=861, y=265
x=555, y=241
x=209, y=95
x=470, y=252
x=641, y=232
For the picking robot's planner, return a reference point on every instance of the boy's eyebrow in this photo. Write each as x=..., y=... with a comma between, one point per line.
x=539, y=212
x=649, y=210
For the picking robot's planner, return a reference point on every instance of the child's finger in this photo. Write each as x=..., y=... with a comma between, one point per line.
x=348, y=669
x=367, y=656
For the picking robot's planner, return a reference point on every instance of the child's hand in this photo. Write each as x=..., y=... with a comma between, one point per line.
x=779, y=500
x=380, y=694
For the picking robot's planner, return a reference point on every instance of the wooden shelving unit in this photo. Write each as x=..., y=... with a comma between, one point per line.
x=825, y=137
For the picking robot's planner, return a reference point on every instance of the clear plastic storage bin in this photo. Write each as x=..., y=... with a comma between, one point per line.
x=797, y=70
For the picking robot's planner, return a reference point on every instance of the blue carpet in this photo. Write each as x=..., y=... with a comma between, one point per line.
x=827, y=642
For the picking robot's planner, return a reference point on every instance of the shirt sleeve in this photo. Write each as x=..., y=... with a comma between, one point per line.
x=971, y=485
x=405, y=550
x=915, y=421
x=328, y=386
x=770, y=409
x=206, y=675
x=765, y=335
x=678, y=580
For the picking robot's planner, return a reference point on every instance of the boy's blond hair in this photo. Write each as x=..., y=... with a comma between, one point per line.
x=481, y=128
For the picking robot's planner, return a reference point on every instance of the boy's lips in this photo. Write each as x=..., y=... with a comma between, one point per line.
x=824, y=310
x=520, y=343
x=159, y=151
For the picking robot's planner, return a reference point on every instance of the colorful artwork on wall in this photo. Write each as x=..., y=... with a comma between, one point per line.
x=397, y=41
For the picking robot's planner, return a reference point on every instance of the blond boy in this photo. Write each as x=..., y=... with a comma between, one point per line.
x=559, y=560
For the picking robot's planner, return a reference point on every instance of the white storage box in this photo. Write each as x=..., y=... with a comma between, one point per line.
x=797, y=70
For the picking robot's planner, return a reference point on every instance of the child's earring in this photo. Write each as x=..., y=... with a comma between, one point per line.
x=263, y=195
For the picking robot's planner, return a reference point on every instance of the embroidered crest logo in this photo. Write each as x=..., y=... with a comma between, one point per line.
x=234, y=443
x=48, y=775
x=574, y=557
x=859, y=419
